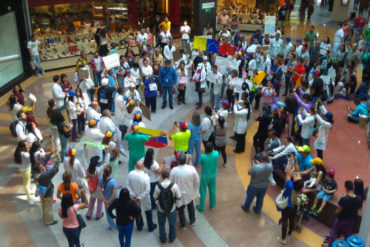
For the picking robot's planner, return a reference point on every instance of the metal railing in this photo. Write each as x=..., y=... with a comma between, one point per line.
x=9, y=58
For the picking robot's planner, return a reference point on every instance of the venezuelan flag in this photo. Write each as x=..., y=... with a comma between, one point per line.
x=160, y=142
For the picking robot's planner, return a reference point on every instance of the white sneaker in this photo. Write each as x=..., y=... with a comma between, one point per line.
x=31, y=202
x=282, y=241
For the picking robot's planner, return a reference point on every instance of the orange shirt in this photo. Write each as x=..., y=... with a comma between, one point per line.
x=73, y=188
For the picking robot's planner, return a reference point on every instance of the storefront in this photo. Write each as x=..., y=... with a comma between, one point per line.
x=14, y=65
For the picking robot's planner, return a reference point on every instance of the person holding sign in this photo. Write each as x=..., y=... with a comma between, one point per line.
x=182, y=80
x=215, y=79
x=150, y=92
x=199, y=78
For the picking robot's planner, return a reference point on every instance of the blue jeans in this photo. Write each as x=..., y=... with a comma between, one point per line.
x=166, y=90
x=253, y=192
x=125, y=234
x=223, y=86
x=39, y=69
x=149, y=220
x=217, y=102
x=97, y=79
x=110, y=220
x=123, y=129
x=354, y=119
x=358, y=32
x=212, y=96
x=162, y=216
x=184, y=42
x=73, y=236
x=193, y=144
x=152, y=188
x=64, y=144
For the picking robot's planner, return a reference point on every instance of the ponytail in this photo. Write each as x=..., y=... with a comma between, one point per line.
x=67, y=179
x=106, y=173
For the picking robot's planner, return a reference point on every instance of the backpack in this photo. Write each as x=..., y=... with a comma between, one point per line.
x=102, y=96
x=93, y=183
x=13, y=128
x=166, y=198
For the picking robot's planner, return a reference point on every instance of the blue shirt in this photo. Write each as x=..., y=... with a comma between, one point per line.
x=196, y=132
x=304, y=162
x=108, y=188
x=147, y=92
x=360, y=109
x=288, y=192
x=167, y=78
x=111, y=81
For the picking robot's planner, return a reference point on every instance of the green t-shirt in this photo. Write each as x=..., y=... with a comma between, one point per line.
x=136, y=144
x=367, y=34
x=311, y=37
x=209, y=164
x=181, y=140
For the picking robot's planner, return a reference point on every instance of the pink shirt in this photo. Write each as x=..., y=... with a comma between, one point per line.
x=268, y=95
x=71, y=221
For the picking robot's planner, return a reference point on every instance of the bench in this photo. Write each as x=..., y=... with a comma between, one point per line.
x=328, y=215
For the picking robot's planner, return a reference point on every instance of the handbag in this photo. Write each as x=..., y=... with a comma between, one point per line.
x=281, y=201
x=80, y=220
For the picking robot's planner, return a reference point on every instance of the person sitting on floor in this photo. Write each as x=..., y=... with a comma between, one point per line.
x=354, y=114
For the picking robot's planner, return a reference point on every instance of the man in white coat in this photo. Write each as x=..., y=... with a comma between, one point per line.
x=187, y=179
x=215, y=79
x=120, y=113
x=138, y=184
x=92, y=134
x=58, y=93
x=106, y=124
x=92, y=112
x=169, y=50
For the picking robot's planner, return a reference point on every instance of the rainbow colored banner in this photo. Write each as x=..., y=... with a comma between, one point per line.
x=160, y=142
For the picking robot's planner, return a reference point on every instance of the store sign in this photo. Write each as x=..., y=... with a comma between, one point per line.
x=208, y=5
x=111, y=61
x=270, y=24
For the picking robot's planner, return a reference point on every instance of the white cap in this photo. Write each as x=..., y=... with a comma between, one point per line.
x=132, y=85
x=205, y=58
x=104, y=82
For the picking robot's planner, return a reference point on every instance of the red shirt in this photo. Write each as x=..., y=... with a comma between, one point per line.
x=360, y=21
x=300, y=70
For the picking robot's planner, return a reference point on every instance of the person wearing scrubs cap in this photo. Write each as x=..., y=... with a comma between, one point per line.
x=132, y=93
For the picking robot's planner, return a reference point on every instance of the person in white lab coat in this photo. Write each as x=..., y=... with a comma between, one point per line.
x=276, y=46
x=92, y=134
x=132, y=93
x=215, y=79
x=168, y=51
x=119, y=117
x=242, y=113
x=199, y=78
x=187, y=179
x=92, y=112
x=106, y=124
x=138, y=184
x=74, y=166
x=324, y=128
x=308, y=125
x=58, y=93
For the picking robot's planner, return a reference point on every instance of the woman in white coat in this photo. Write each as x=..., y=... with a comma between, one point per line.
x=242, y=113
x=119, y=117
x=324, y=128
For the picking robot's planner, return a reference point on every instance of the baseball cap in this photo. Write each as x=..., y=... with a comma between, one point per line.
x=287, y=38
x=316, y=72
x=183, y=125
x=71, y=151
x=71, y=93
x=329, y=115
x=104, y=82
x=317, y=161
x=299, y=40
x=331, y=172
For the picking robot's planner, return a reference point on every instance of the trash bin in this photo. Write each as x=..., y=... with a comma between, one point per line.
x=355, y=241
x=340, y=243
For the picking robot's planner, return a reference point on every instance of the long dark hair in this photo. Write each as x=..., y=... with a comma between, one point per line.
x=106, y=173
x=248, y=106
x=221, y=121
x=51, y=104
x=34, y=148
x=67, y=202
x=195, y=119
x=21, y=147
x=358, y=188
x=29, y=128
x=12, y=101
x=148, y=159
x=67, y=180
x=124, y=197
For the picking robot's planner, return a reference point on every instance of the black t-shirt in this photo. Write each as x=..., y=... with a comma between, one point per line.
x=264, y=125
x=61, y=129
x=330, y=185
x=318, y=85
x=124, y=211
x=349, y=205
x=282, y=14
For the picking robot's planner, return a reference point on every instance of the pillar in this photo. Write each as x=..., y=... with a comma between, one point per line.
x=205, y=11
x=133, y=14
x=174, y=11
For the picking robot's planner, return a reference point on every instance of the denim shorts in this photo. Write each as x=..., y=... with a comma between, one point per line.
x=322, y=195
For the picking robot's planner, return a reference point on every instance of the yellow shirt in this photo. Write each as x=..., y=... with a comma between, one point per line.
x=80, y=63
x=181, y=140
x=167, y=25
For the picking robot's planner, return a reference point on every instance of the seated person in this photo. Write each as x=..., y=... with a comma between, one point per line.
x=280, y=154
x=318, y=171
x=329, y=187
x=304, y=161
x=274, y=141
x=361, y=92
x=349, y=87
x=354, y=114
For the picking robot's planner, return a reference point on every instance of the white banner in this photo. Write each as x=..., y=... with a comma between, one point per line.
x=270, y=22
x=223, y=62
x=111, y=61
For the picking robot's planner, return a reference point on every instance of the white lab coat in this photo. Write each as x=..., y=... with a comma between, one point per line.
x=127, y=81
x=236, y=83
x=168, y=52
x=241, y=122
x=138, y=184
x=106, y=124
x=322, y=139
x=92, y=135
x=92, y=113
x=307, y=125
x=276, y=47
x=78, y=171
x=58, y=94
x=135, y=94
x=187, y=179
x=120, y=105
x=216, y=80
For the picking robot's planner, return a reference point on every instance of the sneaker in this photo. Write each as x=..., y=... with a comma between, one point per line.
x=98, y=218
x=193, y=224
x=171, y=107
x=88, y=217
x=31, y=202
x=224, y=165
x=255, y=211
x=198, y=208
x=153, y=228
x=282, y=241
x=52, y=223
x=245, y=210
x=163, y=107
x=39, y=76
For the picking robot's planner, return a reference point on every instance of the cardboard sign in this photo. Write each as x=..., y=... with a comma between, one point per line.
x=145, y=111
x=111, y=61
x=263, y=48
x=83, y=74
x=183, y=80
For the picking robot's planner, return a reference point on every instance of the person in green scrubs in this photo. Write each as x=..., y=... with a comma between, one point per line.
x=209, y=163
x=136, y=145
x=181, y=137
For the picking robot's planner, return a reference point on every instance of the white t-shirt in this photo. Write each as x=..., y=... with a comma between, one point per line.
x=34, y=46
x=98, y=63
x=207, y=126
x=26, y=162
x=154, y=177
x=175, y=191
x=339, y=35
x=186, y=29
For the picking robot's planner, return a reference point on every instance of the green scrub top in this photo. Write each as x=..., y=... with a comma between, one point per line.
x=136, y=144
x=209, y=164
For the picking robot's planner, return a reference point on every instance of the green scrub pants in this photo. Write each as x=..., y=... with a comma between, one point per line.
x=133, y=159
x=211, y=184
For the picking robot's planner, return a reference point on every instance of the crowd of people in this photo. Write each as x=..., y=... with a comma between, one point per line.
x=299, y=77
